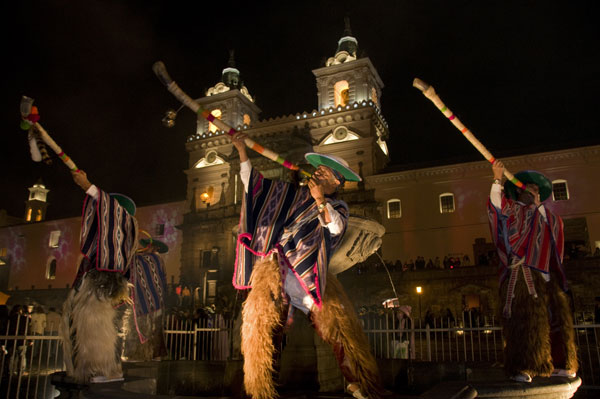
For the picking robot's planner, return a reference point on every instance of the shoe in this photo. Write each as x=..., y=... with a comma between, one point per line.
x=354, y=390
x=521, y=377
x=562, y=373
x=99, y=379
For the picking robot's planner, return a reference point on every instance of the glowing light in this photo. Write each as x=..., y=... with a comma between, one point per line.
x=217, y=114
x=419, y=290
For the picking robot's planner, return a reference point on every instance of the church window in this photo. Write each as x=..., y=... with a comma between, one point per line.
x=394, y=209
x=2, y=256
x=374, y=96
x=247, y=119
x=51, y=269
x=560, y=190
x=28, y=217
x=341, y=93
x=447, y=203
x=54, y=239
x=217, y=114
x=206, y=257
x=38, y=215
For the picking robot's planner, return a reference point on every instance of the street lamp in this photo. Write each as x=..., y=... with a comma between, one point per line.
x=419, y=292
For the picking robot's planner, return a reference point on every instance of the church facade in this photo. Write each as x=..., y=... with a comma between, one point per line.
x=428, y=212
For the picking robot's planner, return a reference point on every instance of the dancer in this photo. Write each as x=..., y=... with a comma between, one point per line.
x=143, y=323
x=90, y=322
x=287, y=236
x=537, y=319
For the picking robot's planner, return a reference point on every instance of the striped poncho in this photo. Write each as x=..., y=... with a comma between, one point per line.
x=108, y=235
x=280, y=217
x=520, y=231
x=149, y=292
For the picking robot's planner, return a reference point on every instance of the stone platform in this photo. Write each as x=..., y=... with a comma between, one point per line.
x=162, y=380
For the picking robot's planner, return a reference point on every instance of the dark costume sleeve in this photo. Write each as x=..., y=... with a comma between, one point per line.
x=108, y=235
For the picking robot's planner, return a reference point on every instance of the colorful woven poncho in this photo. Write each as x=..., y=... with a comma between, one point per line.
x=108, y=235
x=280, y=217
x=521, y=231
x=149, y=292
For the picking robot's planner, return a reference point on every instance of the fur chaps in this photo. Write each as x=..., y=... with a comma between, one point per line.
x=89, y=327
x=337, y=324
x=527, y=334
x=261, y=316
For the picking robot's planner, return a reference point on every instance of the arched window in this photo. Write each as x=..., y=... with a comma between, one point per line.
x=51, y=269
x=374, y=96
x=247, y=120
x=447, y=203
x=341, y=93
x=217, y=114
x=38, y=215
x=560, y=190
x=28, y=217
x=394, y=209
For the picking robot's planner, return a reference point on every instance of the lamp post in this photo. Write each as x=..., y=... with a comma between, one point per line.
x=419, y=292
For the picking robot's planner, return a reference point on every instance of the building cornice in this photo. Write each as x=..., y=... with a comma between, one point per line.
x=355, y=111
x=580, y=155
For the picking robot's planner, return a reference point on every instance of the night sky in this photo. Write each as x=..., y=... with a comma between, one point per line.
x=521, y=75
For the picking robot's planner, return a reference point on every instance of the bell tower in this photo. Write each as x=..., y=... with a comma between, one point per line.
x=349, y=104
x=35, y=206
x=209, y=149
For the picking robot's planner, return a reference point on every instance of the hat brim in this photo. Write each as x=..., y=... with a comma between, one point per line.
x=317, y=160
x=125, y=202
x=161, y=246
x=531, y=177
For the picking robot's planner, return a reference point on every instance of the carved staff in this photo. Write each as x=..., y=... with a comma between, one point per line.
x=161, y=71
x=30, y=119
x=430, y=93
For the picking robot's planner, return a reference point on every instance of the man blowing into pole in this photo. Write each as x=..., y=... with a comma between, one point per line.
x=286, y=239
x=536, y=316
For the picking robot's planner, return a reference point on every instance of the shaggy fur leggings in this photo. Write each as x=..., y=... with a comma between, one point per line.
x=539, y=336
x=336, y=323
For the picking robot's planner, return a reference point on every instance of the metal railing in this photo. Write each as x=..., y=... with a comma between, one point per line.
x=205, y=339
x=470, y=339
x=27, y=361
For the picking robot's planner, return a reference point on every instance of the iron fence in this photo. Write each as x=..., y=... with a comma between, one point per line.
x=470, y=339
x=27, y=361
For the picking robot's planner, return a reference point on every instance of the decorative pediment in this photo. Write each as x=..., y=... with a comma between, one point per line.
x=210, y=159
x=339, y=135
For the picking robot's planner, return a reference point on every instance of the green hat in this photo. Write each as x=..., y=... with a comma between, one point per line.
x=125, y=202
x=335, y=163
x=532, y=177
x=160, y=246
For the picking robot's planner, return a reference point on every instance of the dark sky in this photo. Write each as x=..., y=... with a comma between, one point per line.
x=521, y=75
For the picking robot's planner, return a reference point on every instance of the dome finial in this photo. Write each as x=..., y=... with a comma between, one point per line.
x=231, y=62
x=347, y=30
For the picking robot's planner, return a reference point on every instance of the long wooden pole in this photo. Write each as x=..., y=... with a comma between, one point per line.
x=161, y=71
x=429, y=92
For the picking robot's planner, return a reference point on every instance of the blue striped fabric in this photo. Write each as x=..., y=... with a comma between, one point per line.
x=279, y=216
x=108, y=235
